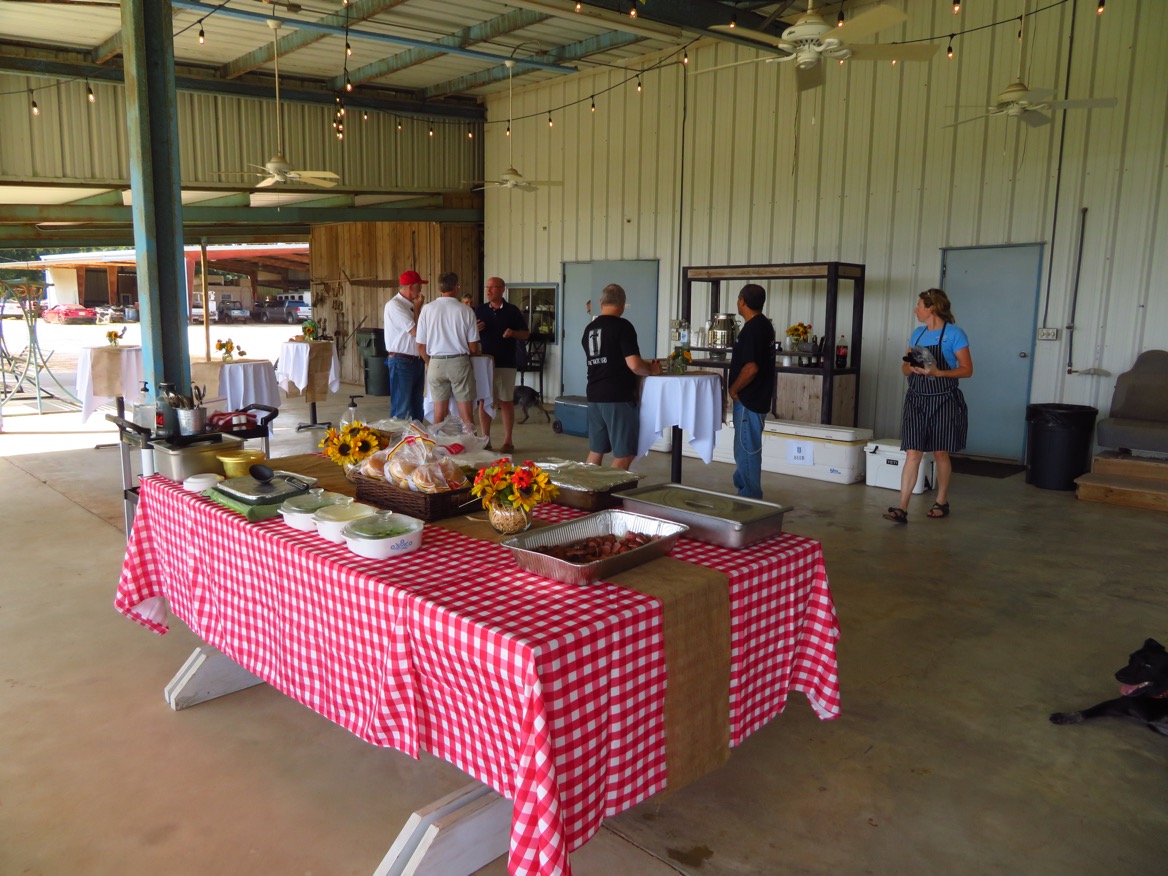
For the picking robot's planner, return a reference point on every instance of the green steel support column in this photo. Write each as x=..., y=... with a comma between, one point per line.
x=154, y=180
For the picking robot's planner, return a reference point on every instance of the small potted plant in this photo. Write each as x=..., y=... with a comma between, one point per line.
x=509, y=492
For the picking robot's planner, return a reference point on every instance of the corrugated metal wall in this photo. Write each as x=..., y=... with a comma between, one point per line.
x=72, y=139
x=863, y=170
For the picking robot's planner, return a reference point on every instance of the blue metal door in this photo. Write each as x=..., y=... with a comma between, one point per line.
x=583, y=281
x=995, y=291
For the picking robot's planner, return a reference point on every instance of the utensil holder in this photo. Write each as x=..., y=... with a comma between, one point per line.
x=192, y=421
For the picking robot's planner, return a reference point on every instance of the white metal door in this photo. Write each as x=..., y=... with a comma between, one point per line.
x=995, y=291
x=584, y=281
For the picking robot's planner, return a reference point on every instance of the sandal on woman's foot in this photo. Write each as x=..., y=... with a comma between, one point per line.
x=938, y=510
x=896, y=515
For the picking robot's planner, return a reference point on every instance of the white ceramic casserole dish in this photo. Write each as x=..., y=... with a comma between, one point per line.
x=332, y=519
x=383, y=535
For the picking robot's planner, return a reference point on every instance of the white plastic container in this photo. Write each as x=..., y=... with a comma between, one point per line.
x=332, y=519
x=886, y=462
x=806, y=450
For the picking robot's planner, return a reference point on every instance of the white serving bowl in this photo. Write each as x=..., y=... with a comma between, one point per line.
x=331, y=519
x=383, y=535
x=197, y=483
x=299, y=510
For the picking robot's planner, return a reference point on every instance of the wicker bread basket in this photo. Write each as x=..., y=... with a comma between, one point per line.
x=424, y=506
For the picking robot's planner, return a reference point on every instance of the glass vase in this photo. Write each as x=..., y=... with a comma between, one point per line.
x=507, y=519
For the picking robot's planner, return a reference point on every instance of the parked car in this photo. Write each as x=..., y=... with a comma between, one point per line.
x=197, y=313
x=10, y=308
x=231, y=310
x=110, y=313
x=70, y=314
x=268, y=311
x=298, y=312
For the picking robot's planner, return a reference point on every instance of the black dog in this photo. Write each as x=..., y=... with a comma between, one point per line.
x=526, y=398
x=1145, y=692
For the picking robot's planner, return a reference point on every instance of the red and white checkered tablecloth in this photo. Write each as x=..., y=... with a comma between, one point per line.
x=551, y=694
x=783, y=623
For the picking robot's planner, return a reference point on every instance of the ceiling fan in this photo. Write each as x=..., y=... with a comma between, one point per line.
x=511, y=178
x=1019, y=101
x=278, y=169
x=811, y=40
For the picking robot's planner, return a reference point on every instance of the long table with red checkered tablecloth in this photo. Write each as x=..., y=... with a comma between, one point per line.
x=551, y=694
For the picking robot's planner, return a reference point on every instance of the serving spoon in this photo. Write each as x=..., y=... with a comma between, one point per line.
x=264, y=475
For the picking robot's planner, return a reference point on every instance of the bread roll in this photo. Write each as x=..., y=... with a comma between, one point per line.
x=429, y=479
x=374, y=465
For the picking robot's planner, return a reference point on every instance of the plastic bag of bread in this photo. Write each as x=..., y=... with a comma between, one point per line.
x=457, y=437
x=374, y=464
x=407, y=456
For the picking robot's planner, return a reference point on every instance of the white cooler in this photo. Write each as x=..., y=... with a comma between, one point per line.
x=886, y=461
x=806, y=450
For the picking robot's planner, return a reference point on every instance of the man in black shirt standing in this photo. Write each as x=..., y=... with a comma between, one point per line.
x=501, y=327
x=614, y=361
x=752, y=383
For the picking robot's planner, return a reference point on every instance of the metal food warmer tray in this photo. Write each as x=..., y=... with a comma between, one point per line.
x=718, y=518
x=611, y=522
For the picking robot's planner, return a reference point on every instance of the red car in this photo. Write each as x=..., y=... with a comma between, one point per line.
x=70, y=314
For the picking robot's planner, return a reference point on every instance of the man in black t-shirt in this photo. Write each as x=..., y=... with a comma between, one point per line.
x=614, y=361
x=501, y=327
x=752, y=383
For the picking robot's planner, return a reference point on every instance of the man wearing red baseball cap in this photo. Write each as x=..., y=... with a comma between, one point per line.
x=407, y=373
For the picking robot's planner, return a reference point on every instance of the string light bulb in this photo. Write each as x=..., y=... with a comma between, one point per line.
x=36, y=110
x=956, y=6
x=431, y=130
x=684, y=56
x=89, y=95
x=399, y=126
x=508, y=130
x=638, y=84
x=594, y=103
x=348, y=48
x=469, y=132
x=734, y=19
x=551, y=124
x=1099, y=8
x=633, y=9
x=579, y=6
x=365, y=115
x=202, y=36
x=839, y=19
x=949, y=51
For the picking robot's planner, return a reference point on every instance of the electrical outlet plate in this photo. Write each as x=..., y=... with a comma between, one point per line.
x=1048, y=334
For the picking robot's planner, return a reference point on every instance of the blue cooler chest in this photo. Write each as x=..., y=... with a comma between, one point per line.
x=571, y=416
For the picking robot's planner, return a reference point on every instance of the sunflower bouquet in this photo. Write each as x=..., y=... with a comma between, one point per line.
x=228, y=349
x=112, y=337
x=310, y=330
x=799, y=332
x=350, y=444
x=522, y=487
x=679, y=360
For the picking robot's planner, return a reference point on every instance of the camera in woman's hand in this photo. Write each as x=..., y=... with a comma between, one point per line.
x=919, y=357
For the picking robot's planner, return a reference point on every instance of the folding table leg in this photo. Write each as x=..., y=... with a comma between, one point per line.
x=207, y=674
x=453, y=836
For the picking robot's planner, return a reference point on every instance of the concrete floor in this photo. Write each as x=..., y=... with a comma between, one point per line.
x=959, y=637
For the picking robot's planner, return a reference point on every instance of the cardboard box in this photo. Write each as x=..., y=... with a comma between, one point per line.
x=886, y=462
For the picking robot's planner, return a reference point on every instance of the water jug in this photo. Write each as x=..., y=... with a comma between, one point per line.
x=723, y=332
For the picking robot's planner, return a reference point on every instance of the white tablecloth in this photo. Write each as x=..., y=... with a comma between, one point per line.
x=246, y=383
x=292, y=370
x=484, y=372
x=128, y=361
x=691, y=401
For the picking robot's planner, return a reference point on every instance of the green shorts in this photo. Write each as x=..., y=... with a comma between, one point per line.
x=613, y=427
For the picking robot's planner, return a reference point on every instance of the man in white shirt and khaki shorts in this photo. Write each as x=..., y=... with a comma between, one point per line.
x=447, y=336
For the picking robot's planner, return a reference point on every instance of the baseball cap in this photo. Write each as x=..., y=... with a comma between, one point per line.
x=409, y=278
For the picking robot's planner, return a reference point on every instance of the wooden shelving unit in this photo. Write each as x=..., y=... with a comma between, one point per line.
x=826, y=394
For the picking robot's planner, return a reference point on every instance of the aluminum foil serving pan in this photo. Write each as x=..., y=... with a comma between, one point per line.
x=612, y=522
x=717, y=518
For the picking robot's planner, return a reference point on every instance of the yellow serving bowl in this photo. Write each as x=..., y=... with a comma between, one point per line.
x=237, y=462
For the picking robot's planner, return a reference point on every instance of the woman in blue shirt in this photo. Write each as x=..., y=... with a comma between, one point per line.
x=935, y=418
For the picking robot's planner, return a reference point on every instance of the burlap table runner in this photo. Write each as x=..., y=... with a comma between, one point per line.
x=105, y=370
x=695, y=604
x=320, y=364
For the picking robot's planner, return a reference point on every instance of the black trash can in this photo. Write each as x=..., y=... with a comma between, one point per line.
x=371, y=347
x=1058, y=444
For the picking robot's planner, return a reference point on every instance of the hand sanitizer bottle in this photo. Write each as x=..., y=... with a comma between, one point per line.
x=351, y=415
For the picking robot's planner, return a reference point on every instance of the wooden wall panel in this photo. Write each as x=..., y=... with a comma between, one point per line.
x=355, y=268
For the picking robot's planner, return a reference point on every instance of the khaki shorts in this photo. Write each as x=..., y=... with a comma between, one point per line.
x=504, y=384
x=451, y=375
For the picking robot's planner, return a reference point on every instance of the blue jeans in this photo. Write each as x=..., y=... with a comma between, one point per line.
x=748, y=451
x=406, y=387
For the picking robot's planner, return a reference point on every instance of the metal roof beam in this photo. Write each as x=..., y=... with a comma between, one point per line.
x=224, y=10
x=284, y=215
x=509, y=22
x=368, y=99
x=31, y=237
x=591, y=14
x=298, y=39
x=574, y=51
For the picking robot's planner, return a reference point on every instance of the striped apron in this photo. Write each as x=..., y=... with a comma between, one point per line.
x=935, y=415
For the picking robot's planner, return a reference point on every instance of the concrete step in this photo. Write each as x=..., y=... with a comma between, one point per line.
x=1146, y=493
x=1111, y=463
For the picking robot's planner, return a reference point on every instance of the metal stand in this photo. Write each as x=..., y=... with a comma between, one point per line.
x=313, y=424
x=675, y=455
x=34, y=360
x=131, y=436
